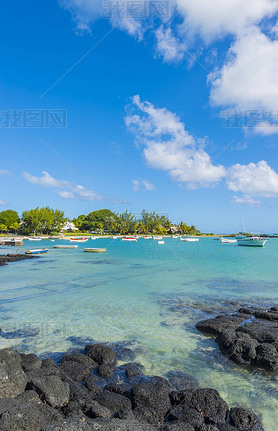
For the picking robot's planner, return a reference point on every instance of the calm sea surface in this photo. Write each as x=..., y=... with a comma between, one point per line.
x=149, y=297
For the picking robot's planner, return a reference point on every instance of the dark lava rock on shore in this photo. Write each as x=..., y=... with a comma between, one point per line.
x=7, y=258
x=39, y=395
x=249, y=337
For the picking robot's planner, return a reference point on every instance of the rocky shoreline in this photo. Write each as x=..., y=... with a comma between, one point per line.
x=248, y=337
x=87, y=391
x=7, y=258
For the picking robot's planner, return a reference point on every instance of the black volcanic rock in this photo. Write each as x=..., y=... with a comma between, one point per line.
x=48, y=397
x=209, y=403
x=247, y=342
x=7, y=258
x=243, y=420
x=13, y=380
x=101, y=354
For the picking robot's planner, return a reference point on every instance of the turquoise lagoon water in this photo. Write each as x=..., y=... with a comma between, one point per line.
x=149, y=296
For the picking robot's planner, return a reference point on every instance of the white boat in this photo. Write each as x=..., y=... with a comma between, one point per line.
x=147, y=237
x=34, y=239
x=38, y=251
x=189, y=239
x=78, y=239
x=157, y=237
x=52, y=240
x=253, y=241
x=93, y=237
x=115, y=237
x=160, y=242
x=94, y=250
x=65, y=246
x=228, y=241
x=130, y=239
x=174, y=236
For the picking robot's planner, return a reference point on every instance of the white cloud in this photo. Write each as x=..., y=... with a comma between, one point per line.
x=136, y=185
x=169, y=47
x=218, y=18
x=248, y=79
x=5, y=172
x=253, y=179
x=2, y=202
x=168, y=146
x=86, y=12
x=65, y=189
x=246, y=200
x=142, y=182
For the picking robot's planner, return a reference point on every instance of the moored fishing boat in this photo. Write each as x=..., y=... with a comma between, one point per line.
x=190, y=239
x=65, y=246
x=253, y=241
x=130, y=239
x=78, y=239
x=38, y=251
x=228, y=241
x=94, y=250
x=160, y=242
x=157, y=237
x=34, y=239
x=147, y=237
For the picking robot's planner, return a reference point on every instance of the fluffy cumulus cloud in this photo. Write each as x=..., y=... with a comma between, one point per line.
x=141, y=182
x=65, y=189
x=218, y=18
x=253, y=179
x=167, y=145
x=248, y=79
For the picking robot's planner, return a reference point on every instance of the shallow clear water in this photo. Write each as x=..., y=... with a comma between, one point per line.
x=149, y=296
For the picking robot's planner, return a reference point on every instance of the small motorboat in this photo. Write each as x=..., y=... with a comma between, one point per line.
x=115, y=237
x=34, y=239
x=190, y=239
x=174, y=236
x=129, y=238
x=94, y=250
x=65, y=246
x=160, y=242
x=147, y=237
x=157, y=238
x=38, y=251
x=78, y=239
x=228, y=241
x=52, y=240
x=253, y=241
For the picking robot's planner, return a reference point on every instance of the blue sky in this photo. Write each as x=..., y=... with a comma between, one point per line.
x=144, y=126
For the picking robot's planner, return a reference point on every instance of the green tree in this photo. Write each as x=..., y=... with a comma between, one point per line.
x=9, y=218
x=3, y=228
x=43, y=220
x=103, y=219
x=79, y=221
x=127, y=223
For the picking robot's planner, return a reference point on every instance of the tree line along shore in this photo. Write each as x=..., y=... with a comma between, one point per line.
x=48, y=221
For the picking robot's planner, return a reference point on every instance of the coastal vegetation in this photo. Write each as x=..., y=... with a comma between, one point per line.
x=48, y=221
